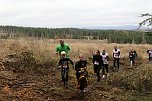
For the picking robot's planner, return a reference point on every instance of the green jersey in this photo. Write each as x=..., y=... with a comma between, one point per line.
x=65, y=48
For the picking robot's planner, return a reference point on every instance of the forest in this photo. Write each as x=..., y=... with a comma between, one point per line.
x=112, y=36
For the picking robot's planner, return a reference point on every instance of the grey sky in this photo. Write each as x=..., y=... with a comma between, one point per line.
x=72, y=13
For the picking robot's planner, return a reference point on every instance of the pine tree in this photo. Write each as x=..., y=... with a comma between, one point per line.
x=109, y=38
x=133, y=41
x=144, y=39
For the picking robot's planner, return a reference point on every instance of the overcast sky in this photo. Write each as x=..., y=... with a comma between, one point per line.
x=72, y=13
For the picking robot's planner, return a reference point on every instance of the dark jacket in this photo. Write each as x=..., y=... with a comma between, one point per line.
x=97, y=58
x=80, y=64
x=132, y=55
x=65, y=62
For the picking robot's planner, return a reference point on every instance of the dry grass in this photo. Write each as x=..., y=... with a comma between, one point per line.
x=43, y=51
x=86, y=47
x=43, y=78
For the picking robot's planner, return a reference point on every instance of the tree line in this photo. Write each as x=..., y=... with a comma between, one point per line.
x=113, y=36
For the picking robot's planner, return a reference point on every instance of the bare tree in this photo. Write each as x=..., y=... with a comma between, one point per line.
x=147, y=21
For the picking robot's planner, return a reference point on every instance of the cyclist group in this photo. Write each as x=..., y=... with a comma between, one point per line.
x=100, y=61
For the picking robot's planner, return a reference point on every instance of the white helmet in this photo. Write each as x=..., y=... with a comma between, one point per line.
x=63, y=52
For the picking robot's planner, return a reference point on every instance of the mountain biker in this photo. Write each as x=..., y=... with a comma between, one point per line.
x=80, y=63
x=116, y=56
x=62, y=47
x=132, y=56
x=149, y=52
x=64, y=63
x=105, y=58
x=97, y=61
